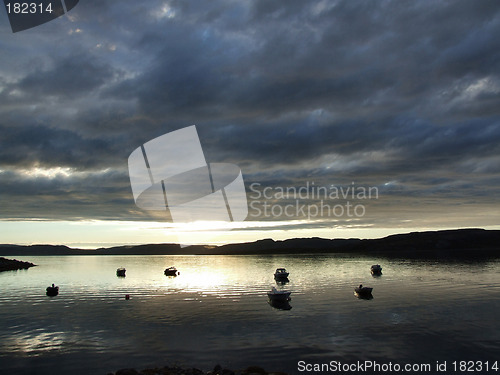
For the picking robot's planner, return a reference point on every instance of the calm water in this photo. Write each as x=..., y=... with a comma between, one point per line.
x=216, y=311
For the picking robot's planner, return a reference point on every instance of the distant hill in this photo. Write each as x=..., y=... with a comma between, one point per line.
x=445, y=243
x=152, y=249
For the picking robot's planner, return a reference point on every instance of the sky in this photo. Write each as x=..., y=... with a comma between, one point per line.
x=400, y=99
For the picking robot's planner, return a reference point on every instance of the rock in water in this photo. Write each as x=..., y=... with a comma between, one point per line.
x=127, y=371
x=14, y=265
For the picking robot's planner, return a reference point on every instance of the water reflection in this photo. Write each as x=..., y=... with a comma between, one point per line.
x=37, y=342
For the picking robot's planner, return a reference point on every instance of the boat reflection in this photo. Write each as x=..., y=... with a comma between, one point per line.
x=363, y=296
x=280, y=305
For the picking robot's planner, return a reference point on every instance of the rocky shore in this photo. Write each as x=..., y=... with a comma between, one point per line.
x=14, y=265
x=218, y=370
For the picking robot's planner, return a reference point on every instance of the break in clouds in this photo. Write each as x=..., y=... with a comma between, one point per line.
x=398, y=95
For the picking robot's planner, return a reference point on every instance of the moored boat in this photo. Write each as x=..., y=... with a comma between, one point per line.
x=279, y=295
x=52, y=290
x=281, y=274
x=376, y=269
x=171, y=271
x=121, y=272
x=363, y=291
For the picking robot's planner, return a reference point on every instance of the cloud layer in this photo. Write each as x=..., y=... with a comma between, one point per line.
x=400, y=95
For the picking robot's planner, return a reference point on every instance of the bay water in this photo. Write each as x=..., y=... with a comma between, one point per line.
x=423, y=312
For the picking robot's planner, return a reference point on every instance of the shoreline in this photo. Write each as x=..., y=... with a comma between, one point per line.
x=447, y=244
x=175, y=370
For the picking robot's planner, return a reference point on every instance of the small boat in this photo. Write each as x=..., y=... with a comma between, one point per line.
x=282, y=281
x=52, y=290
x=279, y=295
x=121, y=272
x=363, y=291
x=171, y=271
x=281, y=274
x=376, y=269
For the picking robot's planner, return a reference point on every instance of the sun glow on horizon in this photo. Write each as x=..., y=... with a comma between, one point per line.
x=92, y=234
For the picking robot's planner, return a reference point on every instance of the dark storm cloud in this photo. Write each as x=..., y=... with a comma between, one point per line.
x=341, y=59
x=72, y=76
x=56, y=83
x=398, y=94
x=363, y=66
x=32, y=145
